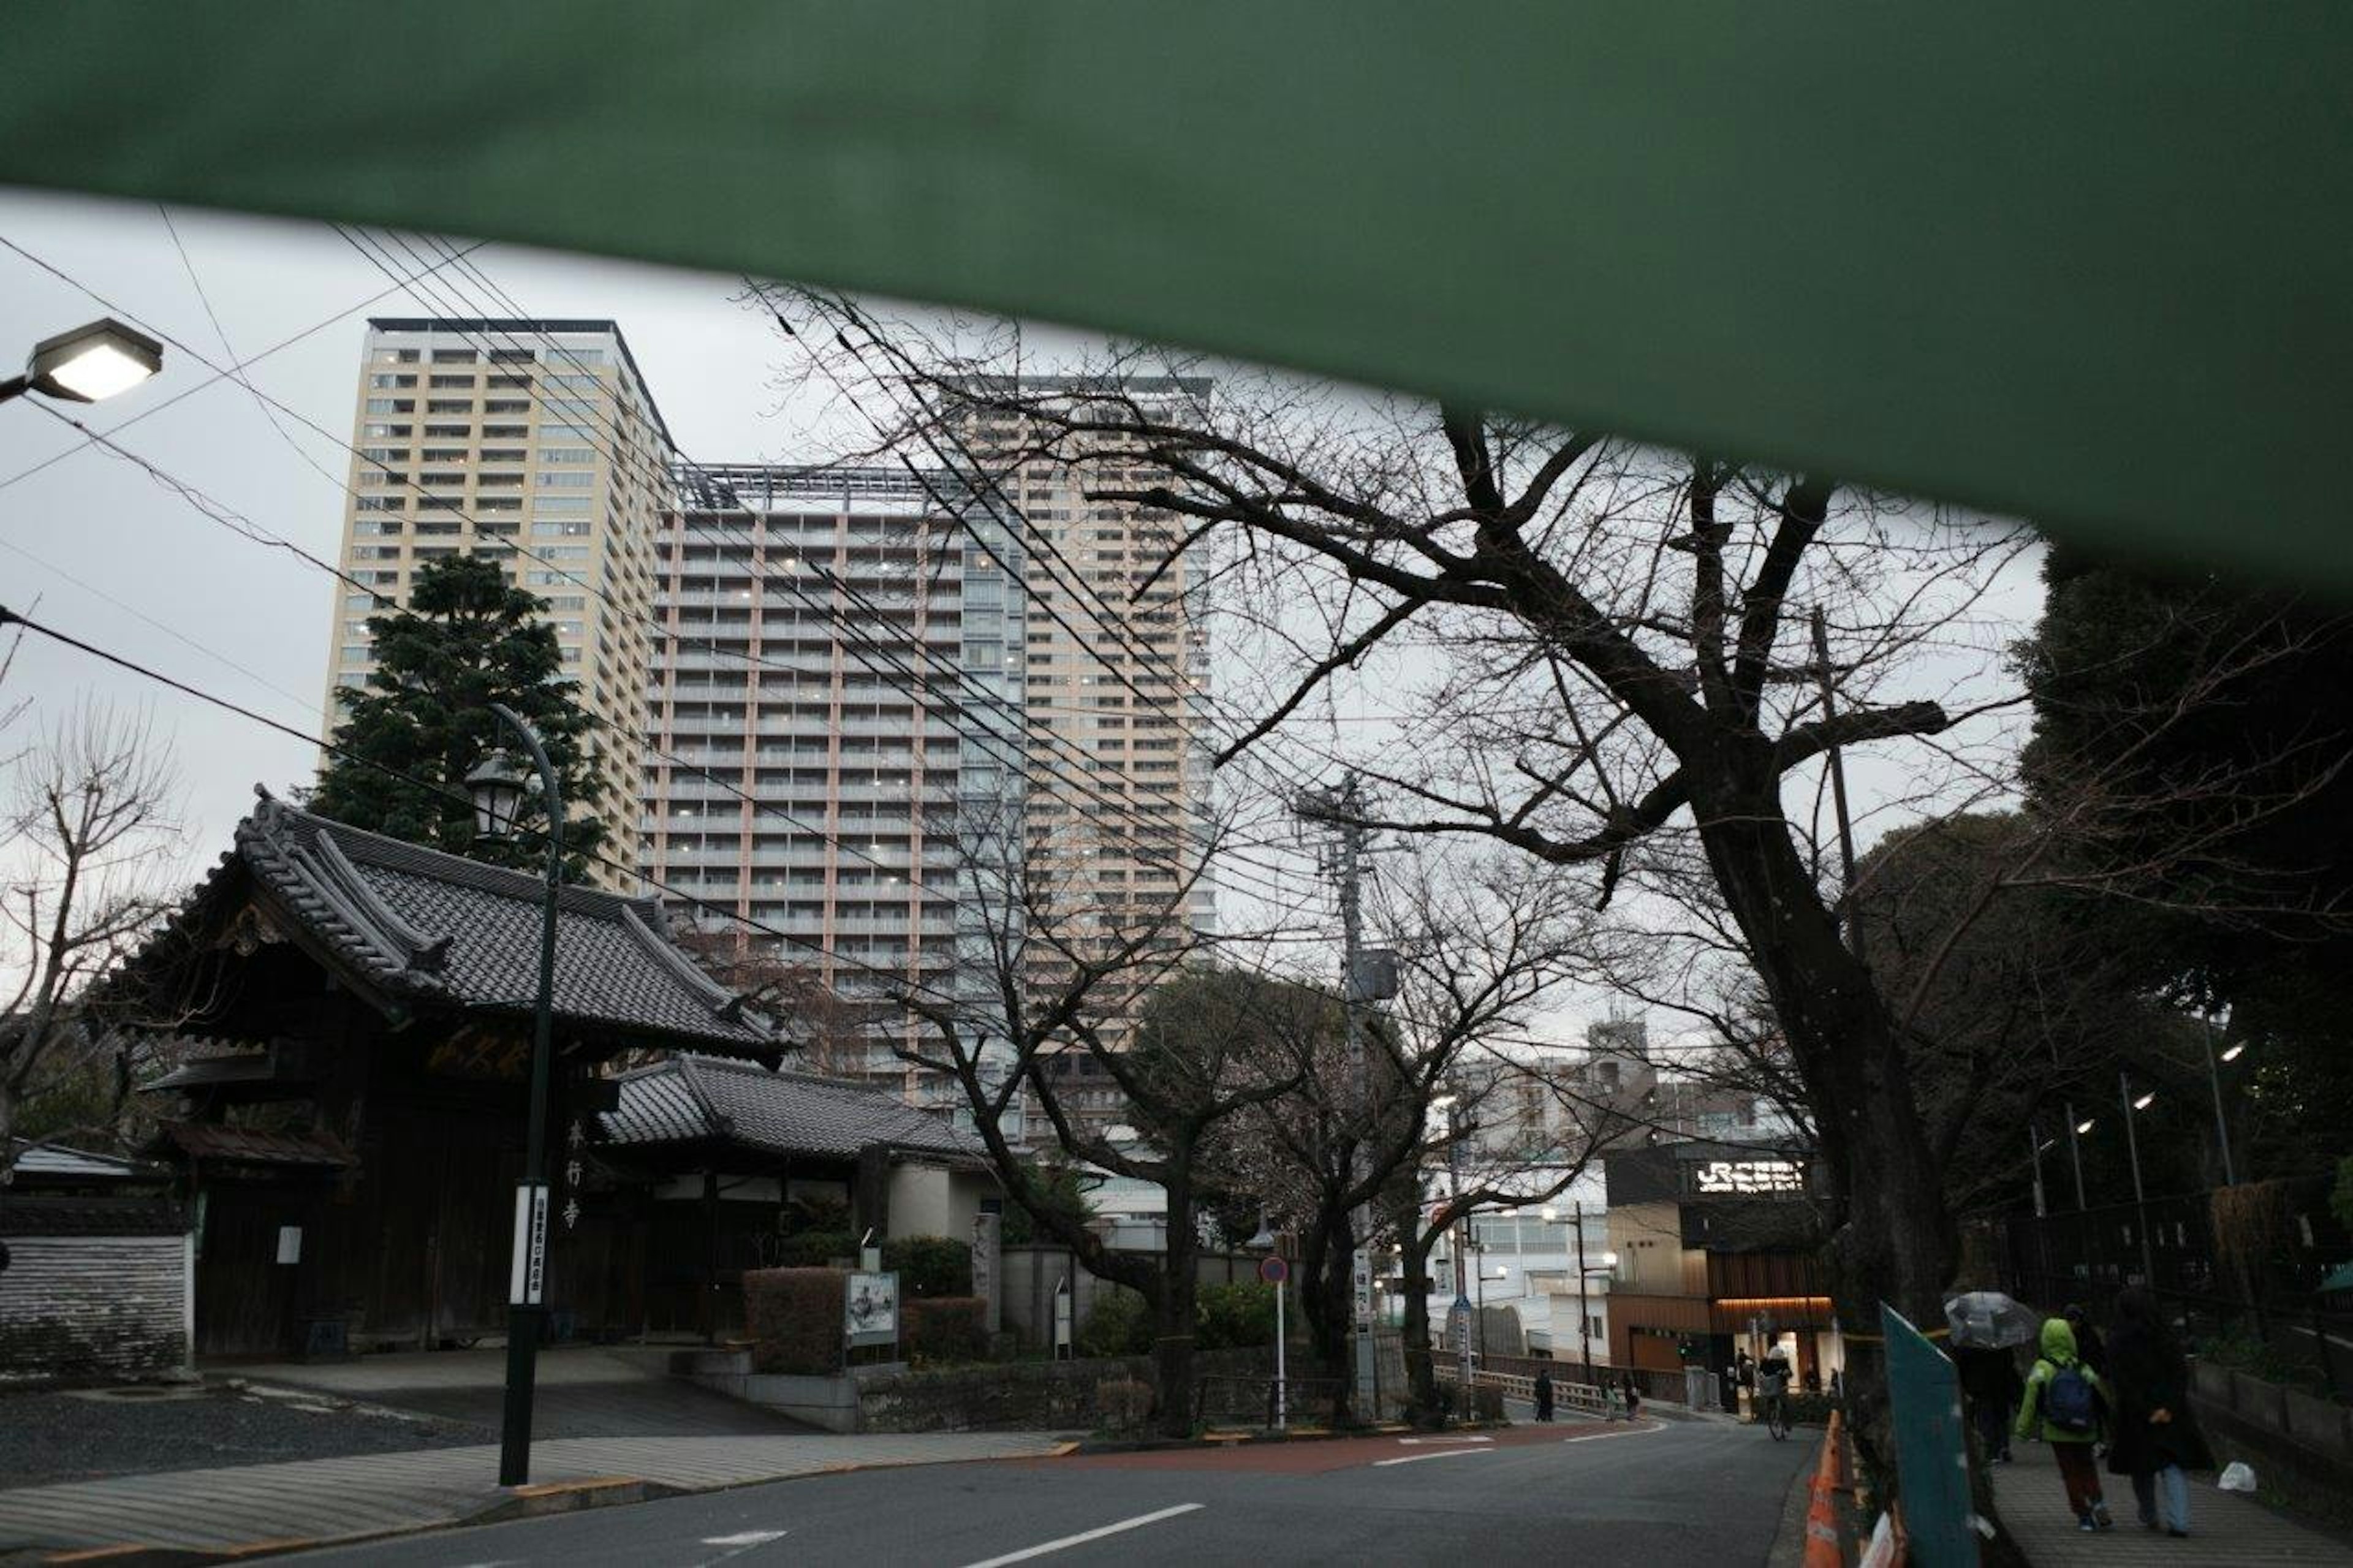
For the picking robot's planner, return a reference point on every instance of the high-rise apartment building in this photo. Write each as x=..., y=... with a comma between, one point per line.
x=1115, y=656
x=836, y=709
x=532, y=442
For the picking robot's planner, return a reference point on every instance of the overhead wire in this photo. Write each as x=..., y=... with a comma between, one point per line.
x=854, y=635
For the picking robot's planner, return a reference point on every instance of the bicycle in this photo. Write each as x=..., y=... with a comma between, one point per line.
x=1777, y=1416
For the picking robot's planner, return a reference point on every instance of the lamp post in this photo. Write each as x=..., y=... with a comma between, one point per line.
x=2075, y=1131
x=1608, y=1265
x=2221, y=1123
x=87, y=365
x=2140, y=1199
x=498, y=790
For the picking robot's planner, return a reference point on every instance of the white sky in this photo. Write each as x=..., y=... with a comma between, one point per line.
x=95, y=547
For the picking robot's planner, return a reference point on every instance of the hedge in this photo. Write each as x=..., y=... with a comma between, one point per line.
x=929, y=1266
x=936, y=1329
x=794, y=1319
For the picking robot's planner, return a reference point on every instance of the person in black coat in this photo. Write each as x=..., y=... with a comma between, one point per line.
x=1989, y=1377
x=2156, y=1437
x=2088, y=1343
x=1544, y=1393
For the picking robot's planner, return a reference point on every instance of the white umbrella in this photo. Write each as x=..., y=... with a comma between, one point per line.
x=1988, y=1320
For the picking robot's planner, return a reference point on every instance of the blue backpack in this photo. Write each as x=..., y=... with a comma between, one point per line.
x=2068, y=1400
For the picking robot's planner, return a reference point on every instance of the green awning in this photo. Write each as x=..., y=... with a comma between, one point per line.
x=2091, y=263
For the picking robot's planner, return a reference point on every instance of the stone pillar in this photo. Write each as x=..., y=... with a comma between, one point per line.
x=987, y=1231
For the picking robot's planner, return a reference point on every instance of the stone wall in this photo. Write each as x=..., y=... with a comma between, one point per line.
x=77, y=1306
x=1053, y=1396
x=2300, y=1444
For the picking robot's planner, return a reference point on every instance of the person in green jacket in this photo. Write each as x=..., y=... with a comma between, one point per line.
x=2065, y=1405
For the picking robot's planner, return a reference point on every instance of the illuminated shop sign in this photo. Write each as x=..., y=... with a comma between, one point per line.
x=1750, y=1176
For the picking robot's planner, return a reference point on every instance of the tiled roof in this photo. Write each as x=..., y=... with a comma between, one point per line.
x=211, y=1140
x=424, y=927
x=691, y=1097
x=49, y=1162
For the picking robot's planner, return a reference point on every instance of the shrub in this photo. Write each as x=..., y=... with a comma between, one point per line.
x=1119, y=1324
x=794, y=1319
x=1230, y=1317
x=929, y=1266
x=816, y=1248
x=938, y=1330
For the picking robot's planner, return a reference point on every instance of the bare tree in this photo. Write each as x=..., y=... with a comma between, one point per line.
x=1066, y=968
x=91, y=818
x=1609, y=629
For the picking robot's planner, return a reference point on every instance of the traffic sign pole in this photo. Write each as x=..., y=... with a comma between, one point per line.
x=1276, y=1272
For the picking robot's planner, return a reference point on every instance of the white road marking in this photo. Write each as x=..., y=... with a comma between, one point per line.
x=1629, y=1432
x=1442, y=1454
x=1449, y=1441
x=1043, y=1547
x=745, y=1538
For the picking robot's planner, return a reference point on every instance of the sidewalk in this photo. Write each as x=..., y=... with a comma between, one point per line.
x=2226, y=1531
x=251, y=1508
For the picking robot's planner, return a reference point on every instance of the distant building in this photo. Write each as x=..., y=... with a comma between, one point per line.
x=1718, y=1250
x=528, y=441
x=837, y=736
x=1115, y=662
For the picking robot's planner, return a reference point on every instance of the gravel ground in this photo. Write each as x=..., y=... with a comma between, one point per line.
x=50, y=1435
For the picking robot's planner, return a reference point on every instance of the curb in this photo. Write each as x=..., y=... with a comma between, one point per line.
x=524, y=1502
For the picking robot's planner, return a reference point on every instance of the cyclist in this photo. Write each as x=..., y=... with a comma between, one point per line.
x=1773, y=1393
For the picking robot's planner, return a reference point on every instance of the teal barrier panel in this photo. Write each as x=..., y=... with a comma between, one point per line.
x=1932, y=1454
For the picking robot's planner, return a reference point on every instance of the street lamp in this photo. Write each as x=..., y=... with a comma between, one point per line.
x=88, y=364
x=2140, y=1199
x=498, y=790
x=1608, y=1265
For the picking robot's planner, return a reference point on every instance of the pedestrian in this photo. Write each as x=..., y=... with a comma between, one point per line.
x=1544, y=1393
x=2088, y=1344
x=1633, y=1397
x=1989, y=1377
x=2062, y=1406
x=2156, y=1437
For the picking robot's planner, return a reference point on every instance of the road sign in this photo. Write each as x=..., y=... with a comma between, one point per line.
x=1273, y=1270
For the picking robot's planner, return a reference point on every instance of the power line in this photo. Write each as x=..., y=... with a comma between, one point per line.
x=865, y=646
x=218, y=375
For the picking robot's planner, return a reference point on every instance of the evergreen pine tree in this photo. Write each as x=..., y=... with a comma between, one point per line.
x=468, y=639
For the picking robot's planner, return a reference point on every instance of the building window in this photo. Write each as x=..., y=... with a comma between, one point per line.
x=451, y=356
x=465, y=382
x=390, y=383
x=568, y=479
x=392, y=405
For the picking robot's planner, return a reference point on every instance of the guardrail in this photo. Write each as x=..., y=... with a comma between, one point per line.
x=1593, y=1398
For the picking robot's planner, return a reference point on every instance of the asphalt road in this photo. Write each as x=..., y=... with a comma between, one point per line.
x=1597, y=1495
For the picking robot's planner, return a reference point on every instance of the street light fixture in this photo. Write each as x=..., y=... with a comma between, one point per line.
x=87, y=365
x=497, y=790
x=2232, y=1051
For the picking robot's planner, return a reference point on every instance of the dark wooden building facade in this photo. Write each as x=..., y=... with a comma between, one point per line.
x=351, y=1148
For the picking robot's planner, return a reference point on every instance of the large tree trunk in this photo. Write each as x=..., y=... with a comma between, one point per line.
x=1892, y=1239
x=1172, y=1341
x=1413, y=1254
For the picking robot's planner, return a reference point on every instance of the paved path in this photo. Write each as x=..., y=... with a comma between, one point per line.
x=325, y=1499
x=2225, y=1530
x=1675, y=1495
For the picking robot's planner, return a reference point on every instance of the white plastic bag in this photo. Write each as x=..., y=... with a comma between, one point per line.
x=2236, y=1478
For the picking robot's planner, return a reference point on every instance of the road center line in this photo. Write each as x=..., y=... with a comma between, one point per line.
x=1043, y=1548
x=1442, y=1454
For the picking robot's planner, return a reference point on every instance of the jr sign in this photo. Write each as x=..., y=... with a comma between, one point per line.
x=1746, y=1177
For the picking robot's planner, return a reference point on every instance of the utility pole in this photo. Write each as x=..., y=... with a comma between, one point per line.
x=1837, y=787
x=1584, y=1310
x=1342, y=811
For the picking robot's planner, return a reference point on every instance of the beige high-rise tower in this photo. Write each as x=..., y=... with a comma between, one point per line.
x=534, y=442
x=1116, y=687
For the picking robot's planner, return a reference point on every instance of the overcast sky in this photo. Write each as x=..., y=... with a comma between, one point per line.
x=101, y=545
x=110, y=555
